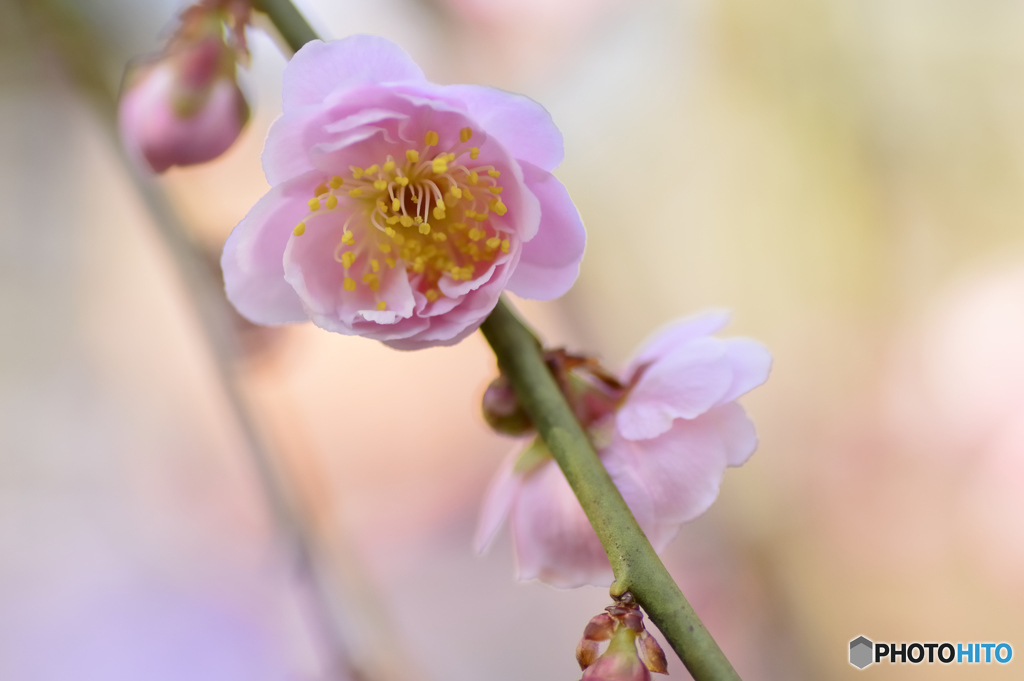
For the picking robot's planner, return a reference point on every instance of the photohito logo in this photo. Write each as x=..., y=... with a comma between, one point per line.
x=863, y=653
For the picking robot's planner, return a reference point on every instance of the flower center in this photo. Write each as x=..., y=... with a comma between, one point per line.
x=429, y=211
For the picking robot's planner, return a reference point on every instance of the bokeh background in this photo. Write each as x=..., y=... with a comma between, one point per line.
x=846, y=175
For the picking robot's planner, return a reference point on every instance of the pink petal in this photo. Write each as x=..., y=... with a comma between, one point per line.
x=677, y=334
x=682, y=385
x=320, y=69
x=554, y=541
x=253, y=259
x=497, y=501
x=550, y=261
x=523, y=126
x=682, y=469
x=750, y=363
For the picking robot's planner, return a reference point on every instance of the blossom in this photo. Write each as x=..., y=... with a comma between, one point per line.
x=185, y=107
x=665, y=434
x=400, y=209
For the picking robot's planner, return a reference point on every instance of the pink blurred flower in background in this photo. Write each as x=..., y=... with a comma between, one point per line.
x=400, y=209
x=185, y=107
x=666, y=439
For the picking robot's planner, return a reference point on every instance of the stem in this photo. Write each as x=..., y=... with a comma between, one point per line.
x=636, y=566
x=289, y=21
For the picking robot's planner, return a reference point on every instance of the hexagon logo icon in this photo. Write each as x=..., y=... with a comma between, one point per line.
x=861, y=652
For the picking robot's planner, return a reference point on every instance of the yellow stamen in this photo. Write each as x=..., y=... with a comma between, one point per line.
x=332, y=201
x=432, y=294
x=385, y=248
x=440, y=236
x=336, y=182
x=371, y=170
x=380, y=185
x=406, y=221
x=425, y=228
x=347, y=258
x=456, y=192
x=321, y=189
x=358, y=191
x=493, y=242
x=465, y=134
x=348, y=238
x=438, y=212
x=440, y=165
x=430, y=138
x=498, y=207
x=412, y=155
x=474, y=152
x=504, y=246
x=473, y=177
x=390, y=262
x=495, y=190
x=357, y=172
x=300, y=229
x=382, y=305
x=374, y=265
x=389, y=166
x=314, y=204
x=494, y=173
x=476, y=234
x=402, y=180
x=349, y=284
x=371, y=280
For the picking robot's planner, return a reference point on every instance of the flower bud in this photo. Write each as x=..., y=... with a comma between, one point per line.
x=502, y=410
x=184, y=106
x=632, y=653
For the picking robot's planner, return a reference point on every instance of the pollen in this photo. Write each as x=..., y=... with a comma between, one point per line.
x=494, y=173
x=456, y=192
x=432, y=294
x=425, y=228
x=430, y=139
x=336, y=181
x=390, y=262
x=349, y=284
x=406, y=221
x=347, y=258
x=474, y=153
x=375, y=265
x=382, y=305
x=348, y=238
x=371, y=280
x=439, y=212
x=465, y=134
x=300, y=229
x=321, y=189
x=404, y=181
x=380, y=185
x=314, y=204
x=385, y=248
x=357, y=172
x=504, y=245
x=498, y=207
x=493, y=242
x=440, y=236
x=332, y=201
x=358, y=191
x=440, y=165
x=412, y=156
x=495, y=190
x=388, y=167
x=473, y=177
x=371, y=170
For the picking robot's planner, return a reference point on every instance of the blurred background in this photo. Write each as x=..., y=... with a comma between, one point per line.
x=846, y=175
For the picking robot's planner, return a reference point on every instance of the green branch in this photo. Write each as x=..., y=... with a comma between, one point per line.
x=635, y=564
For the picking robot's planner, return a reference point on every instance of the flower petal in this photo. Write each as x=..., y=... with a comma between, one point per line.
x=677, y=334
x=498, y=500
x=522, y=125
x=750, y=362
x=550, y=262
x=320, y=69
x=554, y=541
x=682, y=469
x=682, y=385
x=253, y=259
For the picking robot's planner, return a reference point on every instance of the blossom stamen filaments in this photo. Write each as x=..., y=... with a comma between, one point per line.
x=416, y=213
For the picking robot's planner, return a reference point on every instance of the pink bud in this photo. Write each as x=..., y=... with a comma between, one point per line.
x=620, y=662
x=185, y=108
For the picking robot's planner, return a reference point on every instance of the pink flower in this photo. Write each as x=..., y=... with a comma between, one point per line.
x=400, y=209
x=184, y=107
x=631, y=653
x=672, y=431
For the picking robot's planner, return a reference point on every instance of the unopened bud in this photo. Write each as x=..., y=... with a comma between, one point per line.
x=631, y=654
x=502, y=410
x=184, y=106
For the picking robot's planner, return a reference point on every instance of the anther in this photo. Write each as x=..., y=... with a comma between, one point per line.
x=300, y=229
x=357, y=172
x=432, y=294
x=456, y=192
x=498, y=207
x=465, y=134
x=389, y=166
x=374, y=265
x=332, y=201
x=347, y=258
x=349, y=284
x=425, y=228
x=412, y=155
x=314, y=204
x=336, y=182
x=495, y=190
x=474, y=153
x=473, y=177
x=430, y=138
x=371, y=170
x=382, y=305
x=380, y=185
x=348, y=238
x=321, y=189
x=494, y=173
x=493, y=242
x=440, y=165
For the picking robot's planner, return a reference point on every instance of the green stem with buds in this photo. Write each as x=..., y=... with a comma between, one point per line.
x=635, y=564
